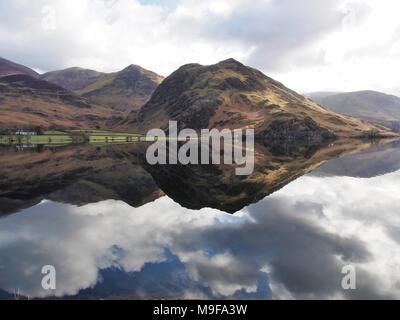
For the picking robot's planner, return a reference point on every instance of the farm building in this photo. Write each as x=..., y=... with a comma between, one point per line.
x=25, y=133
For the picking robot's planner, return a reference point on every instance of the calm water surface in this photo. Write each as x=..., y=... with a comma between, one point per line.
x=114, y=227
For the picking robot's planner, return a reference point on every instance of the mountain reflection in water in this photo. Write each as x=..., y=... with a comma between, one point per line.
x=115, y=227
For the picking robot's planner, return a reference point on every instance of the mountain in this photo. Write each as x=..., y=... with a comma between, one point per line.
x=28, y=102
x=373, y=106
x=231, y=95
x=123, y=91
x=9, y=68
x=97, y=99
x=320, y=94
x=72, y=78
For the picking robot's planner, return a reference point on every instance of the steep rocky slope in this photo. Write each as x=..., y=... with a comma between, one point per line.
x=231, y=95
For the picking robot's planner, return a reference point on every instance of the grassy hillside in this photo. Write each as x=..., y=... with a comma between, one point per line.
x=28, y=102
x=9, y=68
x=231, y=95
x=122, y=91
x=72, y=78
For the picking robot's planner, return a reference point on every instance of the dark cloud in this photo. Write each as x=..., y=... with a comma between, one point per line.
x=303, y=257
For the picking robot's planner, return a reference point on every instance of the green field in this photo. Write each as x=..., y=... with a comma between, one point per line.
x=103, y=133
x=72, y=136
x=39, y=139
x=112, y=138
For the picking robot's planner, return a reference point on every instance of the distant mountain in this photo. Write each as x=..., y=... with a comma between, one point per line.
x=72, y=78
x=320, y=94
x=373, y=106
x=231, y=95
x=28, y=102
x=71, y=98
x=123, y=91
x=9, y=68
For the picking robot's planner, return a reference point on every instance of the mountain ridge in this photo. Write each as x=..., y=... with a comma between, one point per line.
x=73, y=78
x=28, y=102
x=373, y=106
x=122, y=91
x=231, y=95
x=8, y=68
x=227, y=94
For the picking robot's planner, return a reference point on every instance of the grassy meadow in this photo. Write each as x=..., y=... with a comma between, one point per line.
x=72, y=136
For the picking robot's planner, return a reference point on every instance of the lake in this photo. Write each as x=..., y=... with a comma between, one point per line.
x=115, y=227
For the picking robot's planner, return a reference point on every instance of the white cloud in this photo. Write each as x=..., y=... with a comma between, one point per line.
x=309, y=44
x=362, y=53
x=81, y=241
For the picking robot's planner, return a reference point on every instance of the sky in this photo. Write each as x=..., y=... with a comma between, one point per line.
x=309, y=45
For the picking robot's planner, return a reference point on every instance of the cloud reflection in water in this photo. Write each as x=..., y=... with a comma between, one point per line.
x=292, y=244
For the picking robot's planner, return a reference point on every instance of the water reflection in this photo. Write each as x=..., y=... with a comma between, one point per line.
x=377, y=160
x=73, y=175
x=86, y=174
x=291, y=244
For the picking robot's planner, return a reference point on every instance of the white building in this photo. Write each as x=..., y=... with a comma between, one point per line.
x=25, y=133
